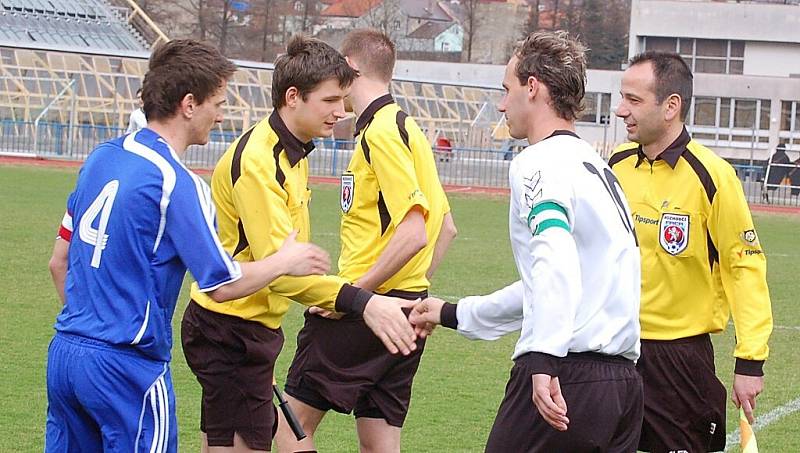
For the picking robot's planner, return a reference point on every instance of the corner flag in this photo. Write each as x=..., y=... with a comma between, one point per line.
x=749, y=444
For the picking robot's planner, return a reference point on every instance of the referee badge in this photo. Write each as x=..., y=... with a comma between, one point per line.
x=674, y=234
x=346, y=196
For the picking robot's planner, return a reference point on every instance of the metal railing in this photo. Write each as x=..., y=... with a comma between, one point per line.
x=459, y=166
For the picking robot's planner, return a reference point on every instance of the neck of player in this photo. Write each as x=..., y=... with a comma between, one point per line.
x=542, y=128
x=653, y=149
x=366, y=90
x=176, y=135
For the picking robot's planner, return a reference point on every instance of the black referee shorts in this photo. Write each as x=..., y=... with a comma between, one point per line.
x=341, y=365
x=684, y=401
x=233, y=359
x=604, y=406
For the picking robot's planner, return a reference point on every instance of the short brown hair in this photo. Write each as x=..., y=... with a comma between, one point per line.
x=178, y=68
x=672, y=76
x=374, y=51
x=307, y=63
x=559, y=62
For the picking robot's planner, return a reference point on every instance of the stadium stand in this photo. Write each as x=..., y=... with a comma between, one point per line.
x=83, y=23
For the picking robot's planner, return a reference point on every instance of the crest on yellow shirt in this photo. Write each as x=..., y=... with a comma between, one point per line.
x=674, y=234
x=348, y=187
x=750, y=238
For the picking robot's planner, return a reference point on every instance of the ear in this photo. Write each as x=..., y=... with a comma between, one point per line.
x=672, y=107
x=292, y=96
x=533, y=87
x=188, y=106
x=351, y=63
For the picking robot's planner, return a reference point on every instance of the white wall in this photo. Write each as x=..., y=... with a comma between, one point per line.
x=772, y=59
x=713, y=20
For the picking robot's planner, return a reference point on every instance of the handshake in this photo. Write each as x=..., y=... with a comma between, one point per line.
x=384, y=316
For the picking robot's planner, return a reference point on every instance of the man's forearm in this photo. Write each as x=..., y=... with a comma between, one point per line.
x=447, y=233
x=58, y=266
x=409, y=238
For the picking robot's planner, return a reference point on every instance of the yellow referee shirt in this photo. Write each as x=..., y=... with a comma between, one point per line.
x=260, y=190
x=391, y=171
x=701, y=259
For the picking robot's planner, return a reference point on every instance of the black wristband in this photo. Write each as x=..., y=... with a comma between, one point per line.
x=352, y=299
x=448, y=317
x=749, y=367
x=540, y=363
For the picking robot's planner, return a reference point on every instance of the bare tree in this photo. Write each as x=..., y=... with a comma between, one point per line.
x=533, y=16
x=471, y=24
x=384, y=16
x=225, y=20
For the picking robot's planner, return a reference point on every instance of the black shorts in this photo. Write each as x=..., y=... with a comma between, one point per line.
x=684, y=402
x=341, y=365
x=233, y=360
x=604, y=406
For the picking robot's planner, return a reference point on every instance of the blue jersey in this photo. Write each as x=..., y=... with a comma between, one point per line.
x=138, y=218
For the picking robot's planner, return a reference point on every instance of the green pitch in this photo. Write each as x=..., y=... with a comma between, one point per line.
x=460, y=383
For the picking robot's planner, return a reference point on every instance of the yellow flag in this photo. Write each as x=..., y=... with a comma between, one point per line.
x=749, y=444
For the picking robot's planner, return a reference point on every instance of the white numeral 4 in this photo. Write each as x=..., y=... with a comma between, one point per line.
x=100, y=206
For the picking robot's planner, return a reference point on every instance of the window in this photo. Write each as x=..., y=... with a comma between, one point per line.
x=662, y=44
x=789, y=112
x=764, y=109
x=716, y=56
x=705, y=111
x=711, y=48
x=597, y=108
x=731, y=122
x=744, y=114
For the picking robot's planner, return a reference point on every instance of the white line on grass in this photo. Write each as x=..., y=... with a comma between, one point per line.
x=732, y=441
x=786, y=327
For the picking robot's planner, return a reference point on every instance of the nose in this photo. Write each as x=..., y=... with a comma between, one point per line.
x=622, y=110
x=501, y=107
x=339, y=113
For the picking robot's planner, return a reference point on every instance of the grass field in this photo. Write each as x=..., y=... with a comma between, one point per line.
x=460, y=383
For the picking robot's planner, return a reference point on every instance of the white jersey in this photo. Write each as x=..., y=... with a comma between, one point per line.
x=576, y=253
x=137, y=121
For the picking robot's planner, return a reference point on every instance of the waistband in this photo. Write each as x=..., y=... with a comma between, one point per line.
x=99, y=344
x=598, y=357
x=702, y=338
x=199, y=310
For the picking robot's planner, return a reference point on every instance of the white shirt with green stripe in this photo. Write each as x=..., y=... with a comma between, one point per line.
x=573, y=243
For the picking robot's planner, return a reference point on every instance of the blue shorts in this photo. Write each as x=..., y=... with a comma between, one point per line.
x=103, y=398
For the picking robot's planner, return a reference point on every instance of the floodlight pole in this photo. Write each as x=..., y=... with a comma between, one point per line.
x=46, y=109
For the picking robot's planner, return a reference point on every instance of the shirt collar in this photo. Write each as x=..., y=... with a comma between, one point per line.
x=370, y=111
x=562, y=132
x=672, y=153
x=295, y=149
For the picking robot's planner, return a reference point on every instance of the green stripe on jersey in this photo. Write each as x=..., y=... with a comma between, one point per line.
x=547, y=206
x=551, y=223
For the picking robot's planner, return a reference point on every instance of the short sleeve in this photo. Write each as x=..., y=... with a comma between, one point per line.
x=192, y=229
x=393, y=163
x=65, y=229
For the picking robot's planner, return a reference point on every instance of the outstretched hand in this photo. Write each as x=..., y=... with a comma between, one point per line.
x=426, y=315
x=385, y=317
